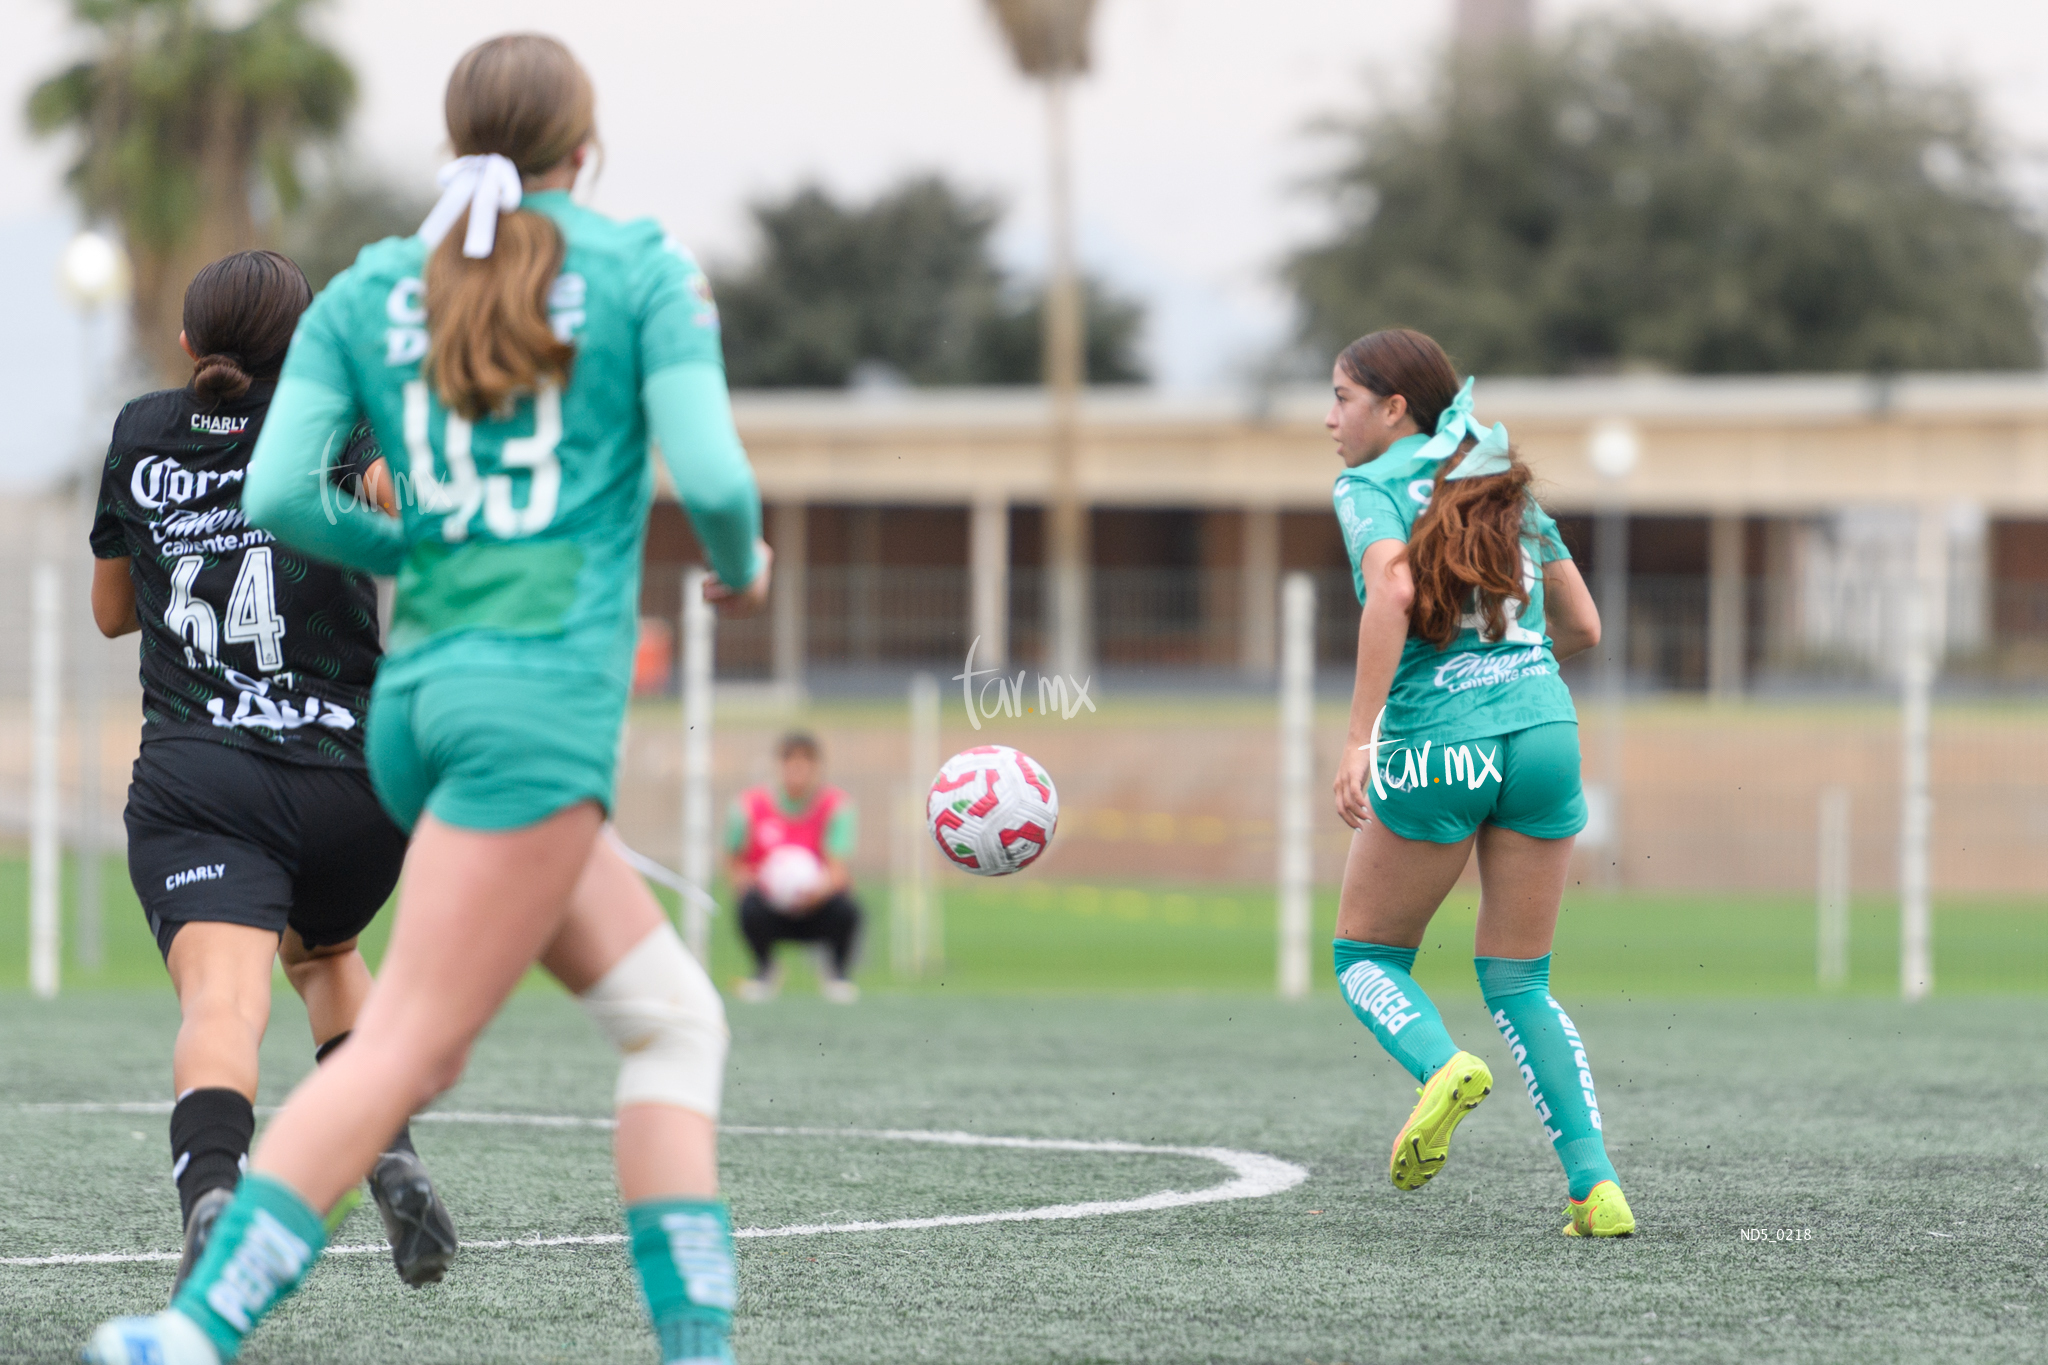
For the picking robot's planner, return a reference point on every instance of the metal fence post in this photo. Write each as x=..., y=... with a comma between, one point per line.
x=46, y=683
x=698, y=634
x=1832, y=844
x=1297, y=772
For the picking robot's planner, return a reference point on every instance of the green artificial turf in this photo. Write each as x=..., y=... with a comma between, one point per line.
x=1892, y=1156
x=1026, y=935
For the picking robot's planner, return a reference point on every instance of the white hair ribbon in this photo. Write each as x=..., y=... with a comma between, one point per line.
x=485, y=185
x=1453, y=425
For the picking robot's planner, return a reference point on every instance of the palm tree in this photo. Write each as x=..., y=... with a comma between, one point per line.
x=179, y=121
x=1049, y=40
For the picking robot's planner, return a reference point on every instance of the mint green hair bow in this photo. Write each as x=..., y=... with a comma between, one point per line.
x=1453, y=425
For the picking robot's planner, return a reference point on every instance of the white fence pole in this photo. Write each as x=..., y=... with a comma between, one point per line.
x=1833, y=898
x=46, y=715
x=87, y=690
x=1916, y=806
x=916, y=920
x=698, y=623
x=988, y=576
x=1297, y=774
x=1611, y=547
x=905, y=910
x=929, y=927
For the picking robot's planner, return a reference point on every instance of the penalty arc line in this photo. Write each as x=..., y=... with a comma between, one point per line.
x=1254, y=1175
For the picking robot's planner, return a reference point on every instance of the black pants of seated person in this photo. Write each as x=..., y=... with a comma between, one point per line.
x=835, y=923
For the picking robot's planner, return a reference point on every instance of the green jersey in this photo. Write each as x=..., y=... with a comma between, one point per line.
x=1477, y=686
x=520, y=535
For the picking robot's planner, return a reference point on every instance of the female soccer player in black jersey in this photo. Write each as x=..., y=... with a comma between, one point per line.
x=253, y=833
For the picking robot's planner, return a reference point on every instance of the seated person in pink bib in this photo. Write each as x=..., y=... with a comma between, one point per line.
x=787, y=852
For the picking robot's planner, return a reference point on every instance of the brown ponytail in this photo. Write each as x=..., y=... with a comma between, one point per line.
x=523, y=97
x=1467, y=544
x=239, y=316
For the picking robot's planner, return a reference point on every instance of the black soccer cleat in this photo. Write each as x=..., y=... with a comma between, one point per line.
x=417, y=1222
x=206, y=1211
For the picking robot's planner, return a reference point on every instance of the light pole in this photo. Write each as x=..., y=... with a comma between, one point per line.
x=94, y=273
x=1049, y=41
x=1613, y=451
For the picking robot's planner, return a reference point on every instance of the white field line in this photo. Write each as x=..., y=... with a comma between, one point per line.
x=1253, y=1175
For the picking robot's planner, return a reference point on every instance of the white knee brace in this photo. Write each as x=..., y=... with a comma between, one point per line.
x=664, y=1015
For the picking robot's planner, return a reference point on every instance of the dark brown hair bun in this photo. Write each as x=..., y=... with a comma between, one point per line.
x=240, y=313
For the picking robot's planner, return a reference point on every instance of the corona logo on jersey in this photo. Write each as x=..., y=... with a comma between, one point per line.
x=992, y=810
x=157, y=481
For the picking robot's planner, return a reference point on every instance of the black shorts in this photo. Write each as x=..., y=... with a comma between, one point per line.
x=232, y=837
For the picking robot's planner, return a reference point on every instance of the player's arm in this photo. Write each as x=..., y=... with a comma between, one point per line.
x=306, y=433
x=113, y=597
x=288, y=493
x=690, y=414
x=1570, y=618
x=378, y=488
x=363, y=473
x=1382, y=632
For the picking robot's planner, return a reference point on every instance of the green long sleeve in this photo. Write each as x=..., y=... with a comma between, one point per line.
x=287, y=492
x=690, y=415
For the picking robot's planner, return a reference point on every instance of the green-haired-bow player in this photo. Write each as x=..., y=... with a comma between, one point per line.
x=1461, y=734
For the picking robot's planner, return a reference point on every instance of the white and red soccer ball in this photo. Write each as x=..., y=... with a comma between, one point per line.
x=992, y=810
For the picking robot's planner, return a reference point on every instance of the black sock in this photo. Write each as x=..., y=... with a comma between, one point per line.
x=401, y=1143
x=210, y=1133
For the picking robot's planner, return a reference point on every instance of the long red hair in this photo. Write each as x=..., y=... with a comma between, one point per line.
x=1467, y=543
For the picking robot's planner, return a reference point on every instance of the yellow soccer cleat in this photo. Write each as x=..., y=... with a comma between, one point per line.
x=1425, y=1139
x=1602, y=1213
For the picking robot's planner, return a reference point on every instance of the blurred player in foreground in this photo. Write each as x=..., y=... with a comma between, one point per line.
x=253, y=832
x=513, y=359
x=787, y=848
x=1461, y=733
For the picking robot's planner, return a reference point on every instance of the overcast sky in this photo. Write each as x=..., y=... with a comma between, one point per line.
x=1190, y=133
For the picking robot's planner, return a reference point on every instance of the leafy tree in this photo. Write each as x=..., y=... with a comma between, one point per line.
x=1642, y=192
x=179, y=121
x=907, y=281
x=340, y=217
x=1010, y=348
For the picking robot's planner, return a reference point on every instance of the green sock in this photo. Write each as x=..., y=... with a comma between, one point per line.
x=260, y=1251
x=1375, y=981
x=683, y=1251
x=1546, y=1046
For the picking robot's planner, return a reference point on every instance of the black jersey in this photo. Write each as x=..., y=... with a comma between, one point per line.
x=244, y=641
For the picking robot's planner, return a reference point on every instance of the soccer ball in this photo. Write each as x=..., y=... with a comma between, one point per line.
x=992, y=810
x=790, y=875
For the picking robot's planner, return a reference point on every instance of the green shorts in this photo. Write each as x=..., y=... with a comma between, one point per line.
x=1441, y=793
x=493, y=751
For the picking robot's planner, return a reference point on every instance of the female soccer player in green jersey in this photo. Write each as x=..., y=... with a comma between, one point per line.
x=513, y=359
x=1461, y=734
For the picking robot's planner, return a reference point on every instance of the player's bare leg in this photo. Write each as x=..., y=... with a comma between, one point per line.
x=617, y=951
x=334, y=982
x=475, y=911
